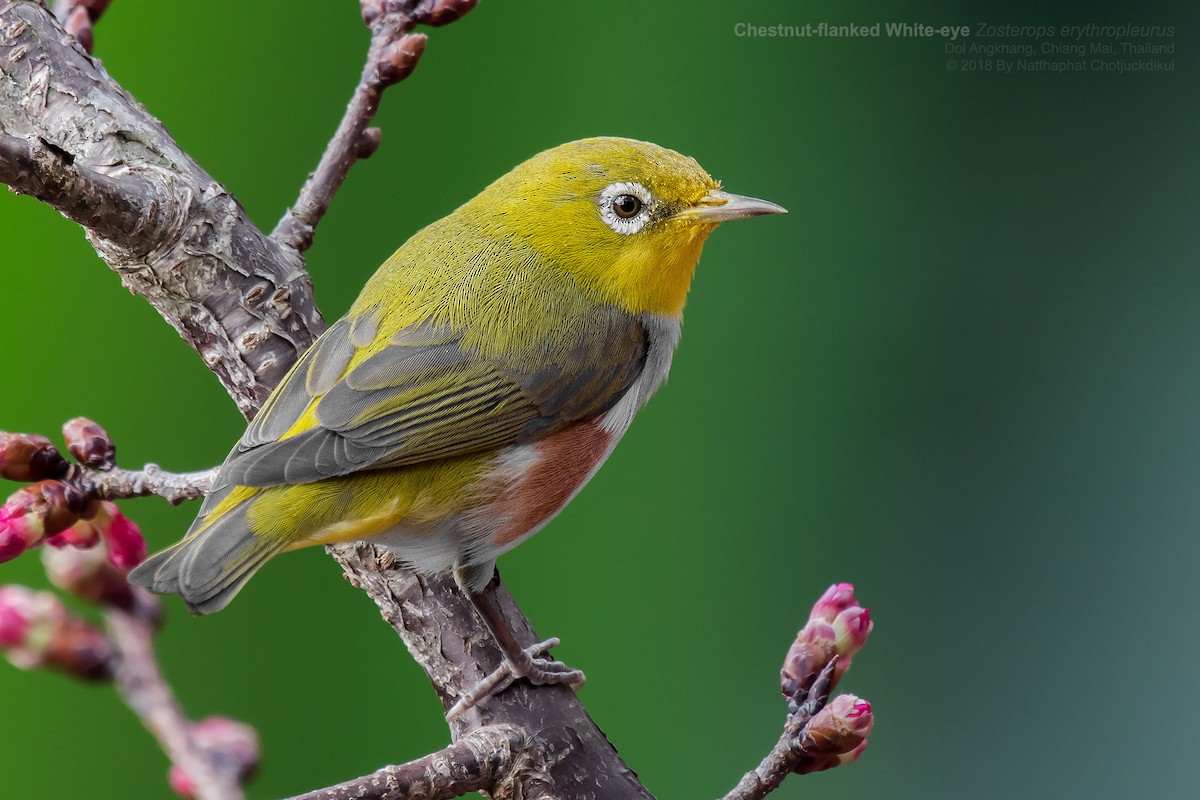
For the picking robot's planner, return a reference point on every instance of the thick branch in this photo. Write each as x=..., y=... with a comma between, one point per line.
x=120, y=208
x=438, y=625
x=174, y=235
x=480, y=761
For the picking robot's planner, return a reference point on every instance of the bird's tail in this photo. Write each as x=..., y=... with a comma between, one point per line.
x=212, y=563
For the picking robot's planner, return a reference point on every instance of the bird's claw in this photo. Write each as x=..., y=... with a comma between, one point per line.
x=538, y=671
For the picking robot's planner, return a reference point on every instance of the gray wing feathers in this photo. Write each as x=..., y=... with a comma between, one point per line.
x=425, y=396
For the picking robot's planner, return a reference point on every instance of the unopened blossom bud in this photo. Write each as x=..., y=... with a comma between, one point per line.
x=841, y=726
x=400, y=58
x=231, y=744
x=836, y=599
x=181, y=783
x=808, y=655
x=90, y=444
x=443, y=12
x=36, y=630
x=126, y=547
x=89, y=575
x=28, y=457
x=853, y=755
x=837, y=626
x=231, y=747
x=368, y=143
x=81, y=535
x=36, y=511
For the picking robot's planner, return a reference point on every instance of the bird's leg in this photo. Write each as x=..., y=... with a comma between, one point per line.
x=519, y=662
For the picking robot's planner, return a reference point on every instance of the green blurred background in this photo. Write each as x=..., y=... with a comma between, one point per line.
x=962, y=374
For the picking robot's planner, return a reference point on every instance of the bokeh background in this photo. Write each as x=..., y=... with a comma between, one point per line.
x=962, y=373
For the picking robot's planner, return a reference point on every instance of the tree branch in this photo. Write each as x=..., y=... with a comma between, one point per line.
x=481, y=761
x=145, y=690
x=120, y=208
x=150, y=481
x=791, y=753
x=391, y=57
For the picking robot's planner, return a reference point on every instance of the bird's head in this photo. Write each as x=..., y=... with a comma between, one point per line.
x=626, y=219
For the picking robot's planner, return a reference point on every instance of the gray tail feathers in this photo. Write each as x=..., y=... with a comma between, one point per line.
x=209, y=566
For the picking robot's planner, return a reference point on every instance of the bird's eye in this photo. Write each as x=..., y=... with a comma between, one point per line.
x=627, y=205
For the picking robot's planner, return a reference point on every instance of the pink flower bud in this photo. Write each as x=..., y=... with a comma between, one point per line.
x=851, y=627
x=22, y=524
x=835, y=600
x=29, y=620
x=36, y=511
x=231, y=744
x=90, y=444
x=837, y=626
x=841, y=726
x=37, y=631
x=126, y=547
x=14, y=625
x=853, y=755
x=28, y=457
x=89, y=575
x=231, y=747
x=181, y=783
x=81, y=535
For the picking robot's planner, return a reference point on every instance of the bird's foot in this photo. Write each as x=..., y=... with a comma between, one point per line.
x=530, y=666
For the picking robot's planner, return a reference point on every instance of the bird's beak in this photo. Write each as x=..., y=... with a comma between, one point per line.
x=718, y=206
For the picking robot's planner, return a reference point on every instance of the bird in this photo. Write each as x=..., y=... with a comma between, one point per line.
x=483, y=375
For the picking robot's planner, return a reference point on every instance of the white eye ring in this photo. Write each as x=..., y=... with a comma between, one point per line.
x=608, y=212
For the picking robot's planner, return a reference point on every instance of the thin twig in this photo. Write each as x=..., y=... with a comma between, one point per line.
x=151, y=480
x=789, y=755
x=144, y=689
x=390, y=58
x=477, y=762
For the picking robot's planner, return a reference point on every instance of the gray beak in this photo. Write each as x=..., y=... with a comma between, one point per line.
x=718, y=206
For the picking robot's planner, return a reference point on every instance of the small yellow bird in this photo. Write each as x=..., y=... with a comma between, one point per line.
x=484, y=374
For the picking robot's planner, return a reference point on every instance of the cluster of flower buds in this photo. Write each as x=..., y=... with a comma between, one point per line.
x=837, y=734
x=838, y=626
x=88, y=574
x=228, y=745
x=36, y=630
x=37, y=511
x=54, y=509
x=58, y=513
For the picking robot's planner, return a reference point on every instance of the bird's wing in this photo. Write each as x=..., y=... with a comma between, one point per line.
x=423, y=396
